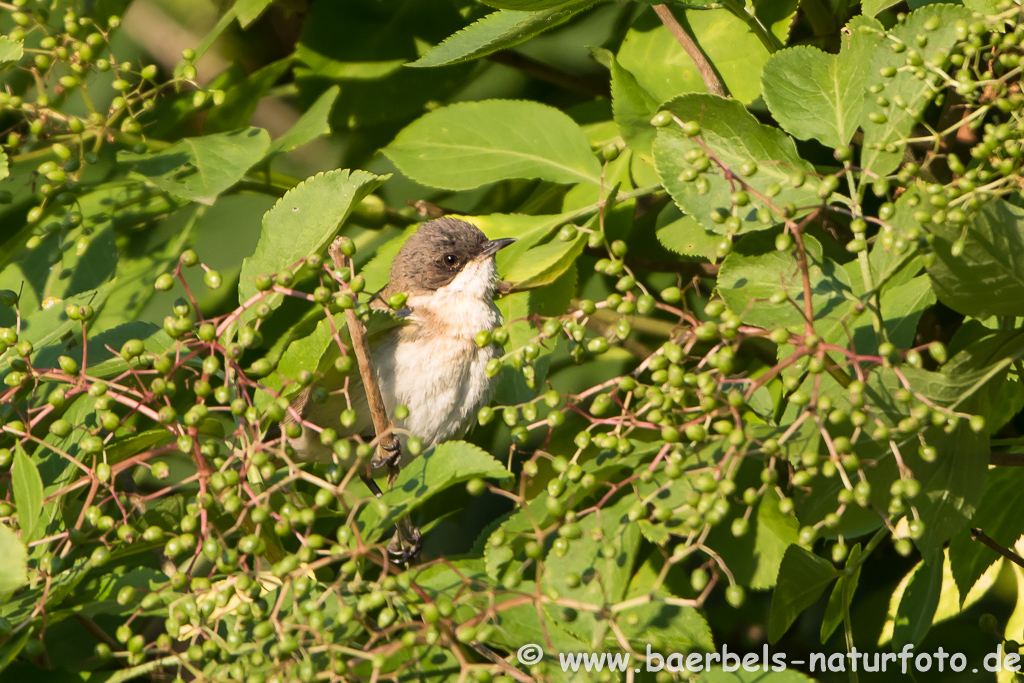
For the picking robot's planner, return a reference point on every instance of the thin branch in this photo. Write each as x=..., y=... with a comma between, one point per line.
x=707, y=72
x=386, y=439
x=982, y=537
x=406, y=543
x=505, y=667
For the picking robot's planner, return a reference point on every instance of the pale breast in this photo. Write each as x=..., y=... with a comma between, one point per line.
x=438, y=371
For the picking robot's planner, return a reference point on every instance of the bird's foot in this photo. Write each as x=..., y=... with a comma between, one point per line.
x=406, y=543
x=389, y=455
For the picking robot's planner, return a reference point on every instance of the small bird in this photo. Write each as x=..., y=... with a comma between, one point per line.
x=431, y=363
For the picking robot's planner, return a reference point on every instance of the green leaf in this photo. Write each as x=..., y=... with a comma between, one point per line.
x=948, y=500
x=498, y=31
x=746, y=282
x=663, y=68
x=633, y=107
x=13, y=563
x=819, y=96
x=684, y=235
x=883, y=146
x=604, y=577
x=988, y=277
x=917, y=604
x=28, y=493
x=4, y=168
x=199, y=169
x=872, y=7
x=681, y=629
x=470, y=144
x=313, y=123
x=803, y=577
x=735, y=137
x=10, y=50
x=774, y=534
x=302, y=223
x=450, y=463
x=302, y=354
x=249, y=11
x=842, y=595
x=998, y=515
x=544, y=264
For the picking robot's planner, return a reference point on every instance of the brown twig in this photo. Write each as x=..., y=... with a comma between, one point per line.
x=406, y=543
x=982, y=537
x=386, y=439
x=704, y=68
x=505, y=667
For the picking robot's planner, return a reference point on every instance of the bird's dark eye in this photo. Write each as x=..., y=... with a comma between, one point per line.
x=451, y=260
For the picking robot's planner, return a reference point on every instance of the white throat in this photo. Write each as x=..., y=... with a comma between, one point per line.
x=464, y=306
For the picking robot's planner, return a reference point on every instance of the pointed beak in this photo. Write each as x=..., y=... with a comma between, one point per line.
x=492, y=247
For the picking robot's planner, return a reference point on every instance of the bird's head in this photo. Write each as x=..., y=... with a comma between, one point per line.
x=447, y=254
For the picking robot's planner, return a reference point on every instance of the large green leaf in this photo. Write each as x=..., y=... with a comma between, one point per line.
x=28, y=493
x=950, y=497
x=545, y=263
x=199, y=169
x=745, y=283
x=450, y=463
x=754, y=558
x=13, y=563
x=302, y=223
x=988, y=277
x=10, y=50
x=685, y=236
x=302, y=354
x=803, y=577
x=818, y=96
x=470, y=144
x=842, y=594
x=887, y=123
x=735, y=138
x=632, y=107
x=605, y=576
x=249, y=11
x=873, y=7
x=918, y=603
x=998, y=515
x=498, y=31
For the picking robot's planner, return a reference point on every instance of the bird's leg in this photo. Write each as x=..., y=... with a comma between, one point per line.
x=390, y=453
x=407, y=541
x=372, y=485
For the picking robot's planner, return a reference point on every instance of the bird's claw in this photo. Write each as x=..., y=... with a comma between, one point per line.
x=390, y=455
x=405, y=544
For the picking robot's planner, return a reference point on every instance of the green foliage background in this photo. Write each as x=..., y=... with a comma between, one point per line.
x=762, y=352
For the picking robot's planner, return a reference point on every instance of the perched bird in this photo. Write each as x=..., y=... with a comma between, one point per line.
x=431, y=363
